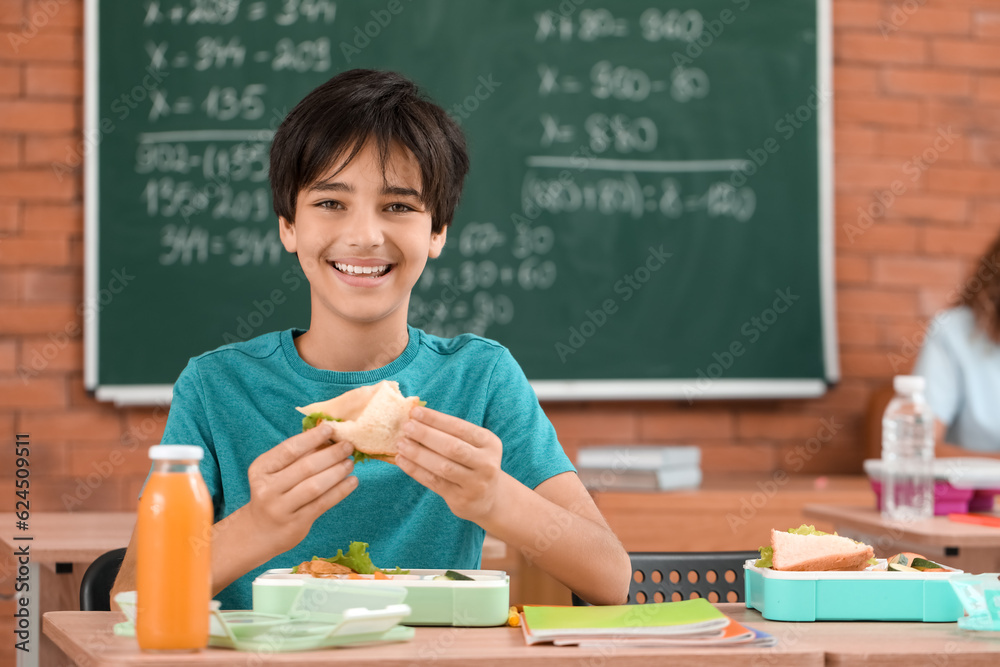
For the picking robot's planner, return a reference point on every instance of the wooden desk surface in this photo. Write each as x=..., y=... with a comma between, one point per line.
x=88, y=637
x=938, y=530
x=70, y=537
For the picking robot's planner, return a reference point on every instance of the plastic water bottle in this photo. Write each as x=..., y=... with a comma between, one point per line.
x=908, y=453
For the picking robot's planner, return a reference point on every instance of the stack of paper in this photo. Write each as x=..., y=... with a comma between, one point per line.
x=684, y=623
x=640, y=468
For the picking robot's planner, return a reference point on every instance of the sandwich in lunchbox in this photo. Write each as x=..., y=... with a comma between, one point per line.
x=370, y=418
x=807, y=549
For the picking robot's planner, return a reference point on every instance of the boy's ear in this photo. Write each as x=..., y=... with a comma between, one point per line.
x=437, y=243
x=286, y=231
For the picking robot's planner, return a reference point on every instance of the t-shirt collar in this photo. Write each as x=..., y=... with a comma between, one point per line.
x=298, y=365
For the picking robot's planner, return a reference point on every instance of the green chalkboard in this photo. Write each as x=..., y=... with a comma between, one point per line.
x=647, y=213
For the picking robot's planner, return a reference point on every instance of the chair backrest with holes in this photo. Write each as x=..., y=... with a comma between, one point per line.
x=671, y=576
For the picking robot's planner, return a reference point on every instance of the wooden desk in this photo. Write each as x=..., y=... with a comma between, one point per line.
x=965, y=546
x=63, y=544
x=88, y=637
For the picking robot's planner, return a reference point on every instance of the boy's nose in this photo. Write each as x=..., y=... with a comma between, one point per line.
x=365, y=231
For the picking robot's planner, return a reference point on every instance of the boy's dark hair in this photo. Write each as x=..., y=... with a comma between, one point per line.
x=359, y=105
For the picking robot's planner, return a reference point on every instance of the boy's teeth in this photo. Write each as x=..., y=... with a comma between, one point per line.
x=361, y=270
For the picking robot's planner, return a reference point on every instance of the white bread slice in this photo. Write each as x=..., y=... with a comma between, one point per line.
x=818, y=552
x=373, y=417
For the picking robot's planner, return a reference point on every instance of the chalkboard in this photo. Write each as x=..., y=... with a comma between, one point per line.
x=648, y=213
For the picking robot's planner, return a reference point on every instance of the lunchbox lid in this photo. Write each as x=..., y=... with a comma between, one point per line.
x=960, y=472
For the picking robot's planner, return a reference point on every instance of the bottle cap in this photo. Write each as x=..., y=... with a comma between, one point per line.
x=176, y=452
x=908, y=384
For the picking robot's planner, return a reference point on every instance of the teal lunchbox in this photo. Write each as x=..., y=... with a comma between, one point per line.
x=869, y=595
x=484, y=601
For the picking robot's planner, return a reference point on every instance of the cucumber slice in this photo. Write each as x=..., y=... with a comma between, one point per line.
x=451, y=575
x=896, y=567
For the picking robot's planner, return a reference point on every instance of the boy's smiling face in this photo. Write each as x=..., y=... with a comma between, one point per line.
x=363, y=238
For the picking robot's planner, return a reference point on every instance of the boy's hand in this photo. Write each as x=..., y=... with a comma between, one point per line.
x=294, y=482
x=454, y=458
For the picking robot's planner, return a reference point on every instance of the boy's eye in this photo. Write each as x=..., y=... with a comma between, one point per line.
x=330, y=204
x=399, y=208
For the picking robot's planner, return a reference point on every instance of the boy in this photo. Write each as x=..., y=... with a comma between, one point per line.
x=366, y=176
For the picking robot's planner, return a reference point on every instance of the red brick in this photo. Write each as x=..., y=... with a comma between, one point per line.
x=985, y=151
x=854, y=141
x=45, y=150
x=879, y=236
x=853, y=332
x=867, y=174
x=970, y=181
x=877, y=111
x=49, y=458
x=946, y=144
x=926, y=82
x=23, y=318
x=51, y=16
x=741, y=457
x=50, y=250
x=10, y=217
x=39, y=185
x=10, y=150
x=854, y=47
x=36, y=392
x=777, y=425
x=49, y=285
x=61, y=494
x=853, y=269
x=866, y=364
x=855, y=79
x=931, y=300
x=962, y=242
x=44, y=46
x=590, y=424
x=878, y=302
x=53, y=218
x=11, y=12
x=986, y=24
x=144, y=426
x=94, y=425
x=33, y=116
x=855, y=14
x=988, y=88
x=10, y=284
x=929, y=20
x=55, y=352
x=8, y=358
x=671, y=426
x=109, y=460
x=908, y=271
x=54, y=80
x=965, y=53
x=939, y=208
x=986, y=214
x=10, y=81
x=838, y=457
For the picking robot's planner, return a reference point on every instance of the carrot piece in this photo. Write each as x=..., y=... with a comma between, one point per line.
x=379, y=575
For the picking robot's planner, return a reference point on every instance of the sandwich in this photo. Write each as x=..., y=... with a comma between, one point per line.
x=797, y=552
x=370, y=418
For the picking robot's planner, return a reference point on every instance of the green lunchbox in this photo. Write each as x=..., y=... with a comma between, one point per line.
x=483, y=601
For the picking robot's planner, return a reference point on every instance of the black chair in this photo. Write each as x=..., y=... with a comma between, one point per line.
x=681, y=575
x=95, y=587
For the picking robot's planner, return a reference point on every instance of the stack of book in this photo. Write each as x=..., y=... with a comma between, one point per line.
x=686, y=623
x=640, y=468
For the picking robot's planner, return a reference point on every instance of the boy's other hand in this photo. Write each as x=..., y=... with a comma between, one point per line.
x=454, y=458
x=294, y=482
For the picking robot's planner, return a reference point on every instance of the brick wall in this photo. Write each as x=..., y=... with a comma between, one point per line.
x=906, y=74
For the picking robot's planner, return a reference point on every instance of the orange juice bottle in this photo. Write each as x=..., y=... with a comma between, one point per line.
x=173, y=555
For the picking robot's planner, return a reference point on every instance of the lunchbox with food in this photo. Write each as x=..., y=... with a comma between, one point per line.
x=473, y=598
x=808, y=575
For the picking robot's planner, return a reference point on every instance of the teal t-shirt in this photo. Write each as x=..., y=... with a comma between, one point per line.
x=239, y=400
